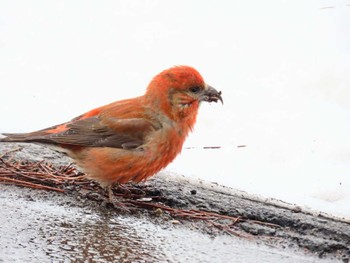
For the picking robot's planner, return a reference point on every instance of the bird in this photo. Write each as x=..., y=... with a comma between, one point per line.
x=132, y=139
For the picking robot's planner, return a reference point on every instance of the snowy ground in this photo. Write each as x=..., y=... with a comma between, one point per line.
x=283, y=68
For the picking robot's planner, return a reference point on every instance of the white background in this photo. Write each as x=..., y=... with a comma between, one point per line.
x=283, y=68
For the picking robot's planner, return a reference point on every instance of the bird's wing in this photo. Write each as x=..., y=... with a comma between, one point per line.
x=94, y=132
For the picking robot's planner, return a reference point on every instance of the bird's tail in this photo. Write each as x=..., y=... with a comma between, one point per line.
x=36, y=136
x=16, y=137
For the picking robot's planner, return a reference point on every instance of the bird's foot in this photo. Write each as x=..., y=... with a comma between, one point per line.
x=115, y=202
x=117, y=205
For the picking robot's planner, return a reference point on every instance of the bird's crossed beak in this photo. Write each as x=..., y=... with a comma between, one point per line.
x=210, y=94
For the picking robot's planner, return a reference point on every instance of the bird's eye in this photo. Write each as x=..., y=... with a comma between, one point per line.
x=195, y=89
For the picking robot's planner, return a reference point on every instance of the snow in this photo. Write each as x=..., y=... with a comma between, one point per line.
x=283, y=68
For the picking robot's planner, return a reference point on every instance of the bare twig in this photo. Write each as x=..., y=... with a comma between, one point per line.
x=31, y=185
x=10, y=151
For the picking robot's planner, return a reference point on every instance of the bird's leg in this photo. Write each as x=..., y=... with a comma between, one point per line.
x=112, y=200
x=110, y=193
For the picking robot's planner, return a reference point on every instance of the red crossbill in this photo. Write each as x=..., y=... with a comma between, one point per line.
x=132, y=139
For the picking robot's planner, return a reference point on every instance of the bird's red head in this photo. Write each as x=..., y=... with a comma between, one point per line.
x=178, y=91
x=181, y=77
